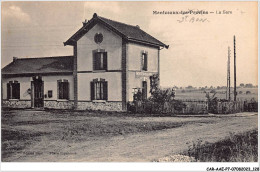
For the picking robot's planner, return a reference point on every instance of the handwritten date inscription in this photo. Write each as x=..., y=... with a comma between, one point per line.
x=193, y=19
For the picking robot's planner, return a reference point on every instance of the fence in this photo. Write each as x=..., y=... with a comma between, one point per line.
x=194, y=107
x=229, y=107
x=235, y=107
x=251, y=106
x=189, y=107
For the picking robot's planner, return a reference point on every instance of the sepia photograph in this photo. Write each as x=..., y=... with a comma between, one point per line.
x=132, y=81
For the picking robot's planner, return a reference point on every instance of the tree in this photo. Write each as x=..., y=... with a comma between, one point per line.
x=159, y=97
x=212, y=101
x=249, y=85
x=154, y=83
x=213, y=91
x=242, y=85
x=248, y=92
x=189, y=87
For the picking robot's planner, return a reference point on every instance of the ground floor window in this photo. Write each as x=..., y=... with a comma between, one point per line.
x=13, y=90
x=63, y=89
x=99, y=89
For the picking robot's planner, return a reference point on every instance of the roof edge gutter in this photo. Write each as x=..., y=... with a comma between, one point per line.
x=149, y=43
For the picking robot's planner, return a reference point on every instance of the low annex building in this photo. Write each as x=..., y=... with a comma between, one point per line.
x=110, y=61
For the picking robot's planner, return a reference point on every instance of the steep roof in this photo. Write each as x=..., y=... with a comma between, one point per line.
x=43, y=65
x=128, y=32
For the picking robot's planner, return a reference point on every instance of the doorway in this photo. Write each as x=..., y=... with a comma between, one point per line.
x=37, y=92
x=144, y=90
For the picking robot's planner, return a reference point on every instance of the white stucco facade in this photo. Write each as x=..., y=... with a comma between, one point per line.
x=49, y=84
x=124, y=59
x=112, y=44
x=114, y=85
x=135, y=73
x=135, y=57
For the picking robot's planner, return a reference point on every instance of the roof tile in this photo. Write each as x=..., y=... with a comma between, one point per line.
x=58, y=64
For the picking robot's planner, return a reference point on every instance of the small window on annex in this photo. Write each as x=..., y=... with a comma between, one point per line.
x=13, y=90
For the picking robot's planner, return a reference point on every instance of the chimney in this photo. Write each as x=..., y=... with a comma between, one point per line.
x=14, y=59
x=85, y=22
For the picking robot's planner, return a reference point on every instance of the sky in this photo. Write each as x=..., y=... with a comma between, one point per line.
x=198, y=50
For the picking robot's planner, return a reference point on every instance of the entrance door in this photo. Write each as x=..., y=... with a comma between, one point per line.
x=38, y=92
x=144, y=90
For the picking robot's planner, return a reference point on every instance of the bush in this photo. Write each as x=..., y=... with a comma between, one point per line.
x=248, y=92
x=212, y=101
x=159, y=97
x=161, y=100
x=235, y=148
x=213, y=91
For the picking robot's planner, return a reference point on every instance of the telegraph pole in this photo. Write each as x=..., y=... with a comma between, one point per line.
x=228, y=76
x=235, y=79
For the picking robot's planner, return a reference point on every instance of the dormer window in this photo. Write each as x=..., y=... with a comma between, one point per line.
x=144, y=61
x=99, y=60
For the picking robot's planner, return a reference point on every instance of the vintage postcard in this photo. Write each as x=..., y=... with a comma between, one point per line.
x=118, y=81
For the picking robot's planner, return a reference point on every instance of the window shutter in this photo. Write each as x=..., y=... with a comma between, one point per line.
x=68, y=90
x=8, y=91
x=58, y=89
x=105, y=60
x=65, y=90
x=18, y=91
x=94, y=60
x=42, y=91
x=92, y=90
x=145, y=62
x=105, y=90
x=142, y=61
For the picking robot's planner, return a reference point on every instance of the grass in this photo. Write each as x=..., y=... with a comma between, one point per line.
x=236, y=148
x=221, y=94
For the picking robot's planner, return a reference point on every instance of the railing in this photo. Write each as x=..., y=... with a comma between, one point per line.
x=190, y=107
x=193, y=107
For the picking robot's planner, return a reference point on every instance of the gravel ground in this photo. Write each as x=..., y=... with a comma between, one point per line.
x=133, y=147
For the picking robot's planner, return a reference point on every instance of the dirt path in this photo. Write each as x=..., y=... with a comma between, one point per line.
x=146, y=147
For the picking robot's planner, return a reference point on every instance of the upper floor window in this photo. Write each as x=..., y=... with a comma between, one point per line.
x=13, y=90
x=144, y=61
x=63, y=89
x=99, y=89
x=99, y=60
